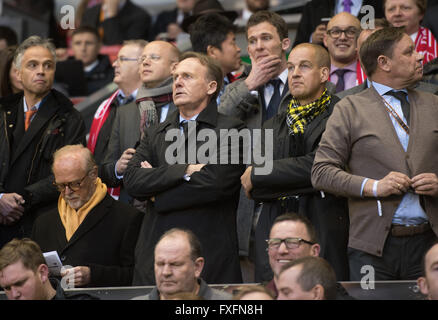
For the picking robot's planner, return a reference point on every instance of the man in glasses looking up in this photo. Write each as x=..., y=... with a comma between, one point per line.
x=89, y=230
x=341, y=42
x=293, y=237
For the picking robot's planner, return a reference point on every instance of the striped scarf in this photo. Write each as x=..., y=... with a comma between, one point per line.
x=426, y=44
x=299, y=116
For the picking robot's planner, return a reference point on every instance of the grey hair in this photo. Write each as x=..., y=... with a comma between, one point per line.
x=33, y=41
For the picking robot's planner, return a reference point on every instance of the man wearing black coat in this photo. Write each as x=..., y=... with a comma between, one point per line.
x=33, y=124
x=90, y=231
x=200, y=196
x=297, y=130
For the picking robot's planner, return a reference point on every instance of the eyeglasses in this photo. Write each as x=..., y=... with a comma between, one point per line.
x=73, y=186
x=349, y=32
x=123, y=59
x=152, y=57
x=290, y=243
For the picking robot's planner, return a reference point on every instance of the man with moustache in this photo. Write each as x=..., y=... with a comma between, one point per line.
x=379, y=150
x=33, y=124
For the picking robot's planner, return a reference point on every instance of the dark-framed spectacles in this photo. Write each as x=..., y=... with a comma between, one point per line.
x=349, y=32
x=73, y=186
x=290, y=243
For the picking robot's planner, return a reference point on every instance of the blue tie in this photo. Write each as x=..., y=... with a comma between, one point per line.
x=272, y=108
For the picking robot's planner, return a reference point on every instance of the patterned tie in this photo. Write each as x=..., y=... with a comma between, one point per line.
x=347, y=5
x=124, y=100
x=275, y=100
x=340, y=85
x=28, y=119
x=402, y=97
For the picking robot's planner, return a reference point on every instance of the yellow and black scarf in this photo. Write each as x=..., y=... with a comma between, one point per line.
x=299, y=116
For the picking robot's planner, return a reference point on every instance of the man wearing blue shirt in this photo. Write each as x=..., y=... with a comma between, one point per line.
x=379, y=149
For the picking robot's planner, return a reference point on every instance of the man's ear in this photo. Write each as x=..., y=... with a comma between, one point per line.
x=422, y=285
x=212, y=86
x=325, y=74
x=199, y=265
x=94, y=172
x=212, y=51
x=318, y=292
x=384, y=63
x=285, y=44
x=43, y=272
x=315, y=249
x=324, y=39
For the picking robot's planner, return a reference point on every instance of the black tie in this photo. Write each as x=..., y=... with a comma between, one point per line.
x=340, y=85
x=275, y=100
x=125, y=100
x=402, y=97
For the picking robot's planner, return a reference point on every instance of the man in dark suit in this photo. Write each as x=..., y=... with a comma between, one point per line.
x=118, y=20
x=297, y=130
x=89, y=230
x=198, y=196
x=379, y=150
x=33, y=124
x=312, y=28
x=154, y=98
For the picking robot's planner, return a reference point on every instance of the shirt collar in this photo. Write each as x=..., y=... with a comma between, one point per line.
x=26, y=108
x=91, y=66
x=351, y=67
x=383, y=89
x=181, y=119
x=283, y=76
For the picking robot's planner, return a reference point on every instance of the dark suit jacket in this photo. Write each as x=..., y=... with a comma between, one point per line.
x=163, y=20
x=131, y=22
x=314, y=10
x=104, y=241
x=206, y=204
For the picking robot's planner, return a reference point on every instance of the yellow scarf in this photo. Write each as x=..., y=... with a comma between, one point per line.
x=71, y=219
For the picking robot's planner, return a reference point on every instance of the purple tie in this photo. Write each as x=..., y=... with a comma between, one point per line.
x=347, y=5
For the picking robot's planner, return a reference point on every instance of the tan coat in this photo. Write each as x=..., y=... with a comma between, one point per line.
x=360, y=142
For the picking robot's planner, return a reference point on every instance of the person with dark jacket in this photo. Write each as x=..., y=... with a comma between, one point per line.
x=297, y=130
x=197, y=194
x=24, y=274
x=118, y=21
x=33, y=124
x=89, y=230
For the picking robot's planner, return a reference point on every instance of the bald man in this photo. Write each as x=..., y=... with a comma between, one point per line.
x=297, y=130
x=89, y=230
x=153, y=105
x=341, y=42
x=428, y=283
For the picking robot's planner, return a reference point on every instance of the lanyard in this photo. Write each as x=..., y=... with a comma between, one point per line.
x=396, y=116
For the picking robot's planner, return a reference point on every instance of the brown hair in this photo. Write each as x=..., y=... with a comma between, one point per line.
x=271, y=17
x=381, y=42
x=294, y=217
x=25, y=250
x=6, y=58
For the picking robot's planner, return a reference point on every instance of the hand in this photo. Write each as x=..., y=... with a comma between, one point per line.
x=11, y=207
x=318, y=34
x=81, y=275
x=425, y=184
x=122, y=163
x=145, y=165
x=245, y=179
x=393, y=183
x=192, y=168
x=262, y=71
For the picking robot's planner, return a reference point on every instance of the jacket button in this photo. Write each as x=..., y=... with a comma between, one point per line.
x=63, y=258
x=11, y=125
x=9, y=112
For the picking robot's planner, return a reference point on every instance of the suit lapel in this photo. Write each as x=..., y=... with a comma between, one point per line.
x=47, y=109
x=93, y=217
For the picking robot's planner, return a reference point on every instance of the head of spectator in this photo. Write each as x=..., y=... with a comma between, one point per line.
x=197, y=80
x=9, y=83
x=307, y=278
x=35, y=61
x=292, y=236
x=308, y=71
x=405, y=13
x=341, y=39
x=268, y=42
x=215, y=35
x=75, y=174
x=257, y=5
x=24, y=274
x=428, y=283
x=86, y=43
x=126, y=66
x=185, y=6
x=253, y=292
x=365, y=33
x=389, y=57
x=157, y=62
x=202, y=7
x=8, y=37
x=178, y=263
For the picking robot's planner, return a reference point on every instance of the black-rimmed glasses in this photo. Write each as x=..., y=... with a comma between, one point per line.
x=290, y=243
